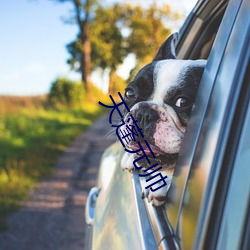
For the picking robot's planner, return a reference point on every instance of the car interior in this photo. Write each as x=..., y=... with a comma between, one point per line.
x=205, y=22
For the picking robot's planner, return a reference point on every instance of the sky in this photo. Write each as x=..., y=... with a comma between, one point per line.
x=32, y=44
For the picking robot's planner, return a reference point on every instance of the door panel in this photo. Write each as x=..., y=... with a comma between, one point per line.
x=121, y=220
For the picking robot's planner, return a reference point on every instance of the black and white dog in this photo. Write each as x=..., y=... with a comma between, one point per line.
x=160, y=98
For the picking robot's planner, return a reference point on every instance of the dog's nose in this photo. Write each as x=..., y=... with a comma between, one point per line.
x=146, y=118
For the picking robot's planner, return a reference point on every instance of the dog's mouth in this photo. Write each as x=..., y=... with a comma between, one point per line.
x=160, y=156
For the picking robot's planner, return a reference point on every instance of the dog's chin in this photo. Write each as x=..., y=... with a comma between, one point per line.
x=166, y=160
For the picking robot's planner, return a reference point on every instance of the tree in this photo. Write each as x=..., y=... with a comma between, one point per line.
x=83, y=15
x=148, y=31
x=108, y=45
x=108, y=48
x=119, y=30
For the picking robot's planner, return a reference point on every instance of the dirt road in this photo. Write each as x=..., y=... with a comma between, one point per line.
x=53, y=218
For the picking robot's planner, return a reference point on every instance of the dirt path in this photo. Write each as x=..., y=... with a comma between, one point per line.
x=53, y=218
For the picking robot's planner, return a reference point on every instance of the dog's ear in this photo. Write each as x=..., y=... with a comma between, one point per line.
x=167, y=49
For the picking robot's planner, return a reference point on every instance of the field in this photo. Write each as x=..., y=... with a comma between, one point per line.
x=32, y=135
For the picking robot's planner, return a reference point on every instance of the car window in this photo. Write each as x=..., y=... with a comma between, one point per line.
x=192, y=132
x=203, y=21
x=199, y=32
x=208, y=131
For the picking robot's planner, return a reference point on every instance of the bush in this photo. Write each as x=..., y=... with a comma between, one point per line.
x=65, y=92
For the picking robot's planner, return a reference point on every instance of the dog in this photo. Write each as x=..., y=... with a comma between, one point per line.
x=160, y=98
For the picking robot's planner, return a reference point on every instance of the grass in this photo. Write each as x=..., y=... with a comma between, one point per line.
x=31, y=139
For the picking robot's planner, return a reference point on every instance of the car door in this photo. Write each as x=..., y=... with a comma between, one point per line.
x=122, y=220
x=203, y=196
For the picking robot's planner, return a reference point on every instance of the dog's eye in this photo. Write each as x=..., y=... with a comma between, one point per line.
x=183, y=102
x=130, y=94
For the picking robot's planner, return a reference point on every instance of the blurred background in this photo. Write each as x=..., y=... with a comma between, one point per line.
x=58, y=58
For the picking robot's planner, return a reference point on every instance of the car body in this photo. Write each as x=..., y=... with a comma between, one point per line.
x=208, y=201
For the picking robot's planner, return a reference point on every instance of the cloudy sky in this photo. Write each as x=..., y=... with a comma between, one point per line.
x=32, y=44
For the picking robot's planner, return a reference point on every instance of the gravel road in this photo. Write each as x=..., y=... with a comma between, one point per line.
x=53, y=218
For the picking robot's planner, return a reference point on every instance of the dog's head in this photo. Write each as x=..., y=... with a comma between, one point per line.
x=160, y=98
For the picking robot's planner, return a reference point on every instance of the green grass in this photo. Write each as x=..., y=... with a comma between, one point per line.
x=31, y=139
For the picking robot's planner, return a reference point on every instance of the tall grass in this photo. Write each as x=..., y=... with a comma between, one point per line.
x=31, y=139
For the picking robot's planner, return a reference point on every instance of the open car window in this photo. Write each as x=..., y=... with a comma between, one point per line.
x=196, y=40
x=211, y=25
x=193, y=129
x=197, y=173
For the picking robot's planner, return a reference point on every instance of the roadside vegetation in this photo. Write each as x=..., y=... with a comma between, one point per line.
x=34, y=131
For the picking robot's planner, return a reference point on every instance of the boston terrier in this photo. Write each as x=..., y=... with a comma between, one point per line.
x=160, y=98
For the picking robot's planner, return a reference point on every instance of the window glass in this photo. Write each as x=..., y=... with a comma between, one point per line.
x=236, y=206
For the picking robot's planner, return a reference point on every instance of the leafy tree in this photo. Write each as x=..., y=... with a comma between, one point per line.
x=108, y=48
x=148, y=31
x=108, y=45
x=119, y=30
x=83, y=15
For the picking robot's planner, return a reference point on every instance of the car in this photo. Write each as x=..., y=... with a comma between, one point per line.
x=208, y=202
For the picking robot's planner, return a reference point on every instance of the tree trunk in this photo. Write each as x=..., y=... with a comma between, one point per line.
x=111, y=82
x=86, y=45
x=86, y=58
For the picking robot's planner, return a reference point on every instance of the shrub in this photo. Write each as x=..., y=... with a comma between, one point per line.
x=65, y=92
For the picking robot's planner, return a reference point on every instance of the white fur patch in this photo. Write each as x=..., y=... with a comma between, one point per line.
x=169, y=73
x=161, y=192
x=127, y=161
